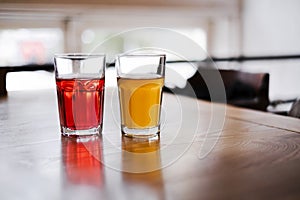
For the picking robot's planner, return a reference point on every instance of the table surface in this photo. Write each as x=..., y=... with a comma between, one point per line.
x=205, y=151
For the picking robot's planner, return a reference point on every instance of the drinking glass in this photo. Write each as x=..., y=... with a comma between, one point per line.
x=140, y=80
x=80, y=93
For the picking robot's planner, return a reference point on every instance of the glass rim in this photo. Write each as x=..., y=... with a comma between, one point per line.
x=142, y=55
x=78, y=55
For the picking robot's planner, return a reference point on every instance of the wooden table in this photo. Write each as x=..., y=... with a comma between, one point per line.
x=206, y=151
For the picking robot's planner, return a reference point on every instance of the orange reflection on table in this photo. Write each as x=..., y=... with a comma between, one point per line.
x=140, y=145
x=141, y=165
x=140, y=155
x=82, y=158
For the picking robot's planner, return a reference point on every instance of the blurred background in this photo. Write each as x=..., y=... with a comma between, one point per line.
x=252, y=36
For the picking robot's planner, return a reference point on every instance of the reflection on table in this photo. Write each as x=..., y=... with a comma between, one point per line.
x=82, y=158
x=141, y=157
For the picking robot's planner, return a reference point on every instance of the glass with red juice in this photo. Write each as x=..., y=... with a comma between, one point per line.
x=80, y=93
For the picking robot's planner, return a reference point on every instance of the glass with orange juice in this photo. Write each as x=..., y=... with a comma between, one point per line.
x=140, y=81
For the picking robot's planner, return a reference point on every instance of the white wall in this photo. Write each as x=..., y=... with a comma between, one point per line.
x=271, y=27
x=225, y=36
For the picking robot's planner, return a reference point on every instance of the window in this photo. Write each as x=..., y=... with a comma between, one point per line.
x=91, y=38
x=29, y=46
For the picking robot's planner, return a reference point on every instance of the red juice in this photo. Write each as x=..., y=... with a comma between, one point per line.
x=80, y=103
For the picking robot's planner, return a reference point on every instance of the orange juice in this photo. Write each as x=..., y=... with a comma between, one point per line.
x=140, y=101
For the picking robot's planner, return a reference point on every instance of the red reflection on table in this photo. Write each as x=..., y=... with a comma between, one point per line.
x=82, y=158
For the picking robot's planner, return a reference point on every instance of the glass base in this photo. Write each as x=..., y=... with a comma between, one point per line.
x=86, y=132
x=141, y=133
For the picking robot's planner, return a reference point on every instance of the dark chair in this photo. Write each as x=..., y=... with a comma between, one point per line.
x=249, y=90
x=295, y=110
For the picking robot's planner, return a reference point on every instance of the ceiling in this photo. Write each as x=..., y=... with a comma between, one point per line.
x=64, y=8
